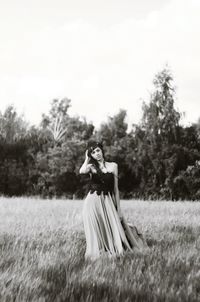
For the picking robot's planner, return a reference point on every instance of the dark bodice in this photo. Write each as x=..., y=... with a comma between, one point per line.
x=102, y=182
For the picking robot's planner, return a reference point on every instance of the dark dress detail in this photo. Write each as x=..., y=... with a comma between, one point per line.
x=105, y=232
x=102, y=183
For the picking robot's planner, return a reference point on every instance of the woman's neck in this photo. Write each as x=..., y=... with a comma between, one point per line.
x=101, y=162
x=102, y=166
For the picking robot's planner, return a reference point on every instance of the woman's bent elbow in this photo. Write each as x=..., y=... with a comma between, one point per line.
x=82, y=171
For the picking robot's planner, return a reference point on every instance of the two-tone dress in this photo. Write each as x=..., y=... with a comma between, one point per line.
x=105, y=232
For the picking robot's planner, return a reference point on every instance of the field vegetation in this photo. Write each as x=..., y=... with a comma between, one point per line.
x=42, y=247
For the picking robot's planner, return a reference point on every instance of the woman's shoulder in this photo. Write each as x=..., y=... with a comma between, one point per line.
x=113, y=165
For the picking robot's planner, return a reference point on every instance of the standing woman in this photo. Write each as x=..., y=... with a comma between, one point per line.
x=106, y=230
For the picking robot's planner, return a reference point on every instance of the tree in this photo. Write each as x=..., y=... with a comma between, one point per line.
x=158, y=156
x=59, y=127
x=114, y=129
x=160, y=119
x=54, y=124
x=12, y=126
x=58, y=163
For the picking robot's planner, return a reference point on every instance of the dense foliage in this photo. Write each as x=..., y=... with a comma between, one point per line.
x=157, y=158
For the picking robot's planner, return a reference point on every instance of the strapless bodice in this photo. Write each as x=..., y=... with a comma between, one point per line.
x=102, y=182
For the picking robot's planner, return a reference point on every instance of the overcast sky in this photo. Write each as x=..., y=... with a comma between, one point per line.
x=103, y=55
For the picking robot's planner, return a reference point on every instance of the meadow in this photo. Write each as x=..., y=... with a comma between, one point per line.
x=42, y=247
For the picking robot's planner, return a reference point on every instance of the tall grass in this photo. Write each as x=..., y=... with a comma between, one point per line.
x=42, y=247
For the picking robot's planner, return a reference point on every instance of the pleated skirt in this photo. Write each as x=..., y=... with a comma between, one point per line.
x=107, y=234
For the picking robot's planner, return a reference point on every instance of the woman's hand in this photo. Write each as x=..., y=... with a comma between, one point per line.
x=85, y=168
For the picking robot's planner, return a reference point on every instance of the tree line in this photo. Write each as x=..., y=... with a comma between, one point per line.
x=157, y=158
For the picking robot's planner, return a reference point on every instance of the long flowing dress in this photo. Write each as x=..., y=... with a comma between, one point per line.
x=105, y=232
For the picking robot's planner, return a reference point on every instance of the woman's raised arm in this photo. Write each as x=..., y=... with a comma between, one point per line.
x=85, y=168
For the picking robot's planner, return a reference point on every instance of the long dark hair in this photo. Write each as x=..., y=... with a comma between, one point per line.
x=92, y=145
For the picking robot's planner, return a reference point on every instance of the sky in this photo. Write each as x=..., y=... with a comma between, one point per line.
x=103, y=55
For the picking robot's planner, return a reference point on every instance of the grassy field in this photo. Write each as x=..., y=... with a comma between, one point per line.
x=42, y=247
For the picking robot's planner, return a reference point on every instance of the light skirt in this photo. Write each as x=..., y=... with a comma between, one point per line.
x=105, y=233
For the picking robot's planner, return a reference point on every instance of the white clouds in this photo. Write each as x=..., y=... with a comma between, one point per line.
x=110, y=66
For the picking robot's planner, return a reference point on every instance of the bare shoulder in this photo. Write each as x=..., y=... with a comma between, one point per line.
x=112, y=166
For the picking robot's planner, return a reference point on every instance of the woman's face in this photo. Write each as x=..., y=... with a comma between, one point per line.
x=97, y=154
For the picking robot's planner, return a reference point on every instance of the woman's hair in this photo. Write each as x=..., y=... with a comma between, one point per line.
x=92, y=145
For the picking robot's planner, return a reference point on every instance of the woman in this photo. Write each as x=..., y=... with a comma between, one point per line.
x=105, y=228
